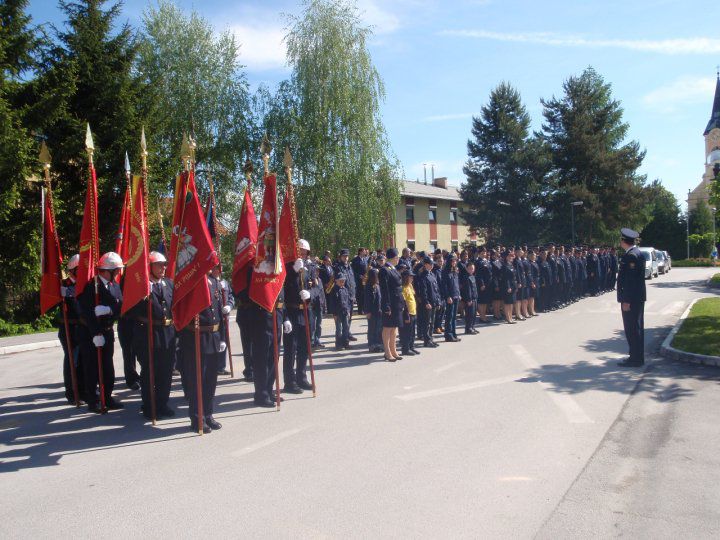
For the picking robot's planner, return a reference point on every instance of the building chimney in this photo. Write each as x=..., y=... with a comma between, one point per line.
x=433, y=173
x=440, y=182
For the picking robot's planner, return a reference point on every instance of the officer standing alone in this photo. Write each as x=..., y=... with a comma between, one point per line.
x=631, y=295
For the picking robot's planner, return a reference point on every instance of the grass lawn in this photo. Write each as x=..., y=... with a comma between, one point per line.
x=700, y=333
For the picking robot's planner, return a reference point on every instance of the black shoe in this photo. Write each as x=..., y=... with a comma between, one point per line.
x=94, y=408
x=114, y=405
x=348, y=347
x=267, y=403
x=415, y=351
x=428, y=345
x=214, y=424
x=292, y=389
x=408, y=353
x=249, y=378
x=305, y=384
x=319, y=346
x=273, y=397
x=223, y=372
x=352, y=338
x=166, y=412
x=630, y=363
x=205, y=428
x=435, y=344
x=135, y=386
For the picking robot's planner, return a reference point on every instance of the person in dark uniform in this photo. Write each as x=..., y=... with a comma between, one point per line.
x=342, y=266
x=407, y=330
x=212, y=347
x=631, y=295
x=469, y=295
x=534, y=283
x=359, y=266
x=545, y=282
x=553, y=302
x=613, y=269
x=295, y=352
x=428, y=301
x=125, y=327
x=496, y=265
x=243, y=317
x=228, y=302
x=451, y=291
x=593, y=271
x=508, y=285
x=342, y=306
x=440, y=311
x=96, y=330
x=67, y=291
x=317, y=307
x=483, y=277
x=373, y=310
x=161, y=296
x=393, y=304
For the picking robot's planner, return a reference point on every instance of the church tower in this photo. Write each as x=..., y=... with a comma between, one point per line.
x=712, y=151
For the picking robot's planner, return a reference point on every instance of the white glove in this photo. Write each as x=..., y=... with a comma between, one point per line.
x=304, y=295
x=99, y=341
x=226, y=310
x=298, y=265
x=101, y=311
x=63, y=291
x=287, y=327
x=223, y=346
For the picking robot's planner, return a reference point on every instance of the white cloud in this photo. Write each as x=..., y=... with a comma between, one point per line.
x=447, y=117
x=382, y=20
x=682, y=91
x=693, y=45
x=261, y=48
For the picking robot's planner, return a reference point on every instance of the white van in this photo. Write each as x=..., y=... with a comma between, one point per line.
x=651, y=263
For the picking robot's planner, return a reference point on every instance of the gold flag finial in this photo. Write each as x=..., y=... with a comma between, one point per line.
x=185, y=148
x=143, y=142
x=89, y=145
x=265, y=146
x=288, y=160
x=45, y=158
x=248, y=168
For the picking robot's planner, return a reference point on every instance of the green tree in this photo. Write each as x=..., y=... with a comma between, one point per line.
x=666, y=228
x=97, y=58
x=24, y=106
x=701, y=219
x=194, y=84
x=347, y=183
x=506, y=171
x=592, y=162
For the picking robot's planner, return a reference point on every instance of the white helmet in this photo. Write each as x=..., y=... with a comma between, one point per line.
x=110, y=261
x=73, y=262
x=304, y=244
x=156, y=257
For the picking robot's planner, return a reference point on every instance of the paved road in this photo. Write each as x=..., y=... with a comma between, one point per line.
x=521, y=431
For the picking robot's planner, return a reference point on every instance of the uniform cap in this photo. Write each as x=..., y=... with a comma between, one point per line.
x=392, y=253
x=407, y=273
x=110, y=261
x=344, y=251
x=157, y=257
x=427, y=260
x=304, y=244
x=340, y=276
x=73, y=262
x=629, y=235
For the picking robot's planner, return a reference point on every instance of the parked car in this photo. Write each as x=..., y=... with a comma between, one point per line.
x=651, y=264
x=660, y=261
x=668, y=261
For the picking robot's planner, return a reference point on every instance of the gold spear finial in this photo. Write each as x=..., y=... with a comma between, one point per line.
x=185, y=148
x=288, y=160
x=265, y=149
x=143, y=142
x=45, y=158
x=89, y=145
x=248, y=168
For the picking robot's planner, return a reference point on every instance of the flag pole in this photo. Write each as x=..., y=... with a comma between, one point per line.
x=288, y=162
x=46, y=160
x=188, y=157
x=90, y=147
x=265, y=149
x=150, y=334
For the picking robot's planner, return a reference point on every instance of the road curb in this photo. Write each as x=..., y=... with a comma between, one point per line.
x=667, y=351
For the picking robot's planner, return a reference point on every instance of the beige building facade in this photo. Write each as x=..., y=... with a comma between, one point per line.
x=429, y=217
x=712, y=153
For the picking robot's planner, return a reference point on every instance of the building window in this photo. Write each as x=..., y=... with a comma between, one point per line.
x=433, y=245
x=453, y=245
x=453, y=215
x=411, y=245
x=432, y=213
x=409, y=214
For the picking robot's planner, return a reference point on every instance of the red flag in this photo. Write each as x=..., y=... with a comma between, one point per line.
x=194, y=257
x=180, y=192
x=245, y=244
x=122, y=238
x=89, y=240
x=137, y=274
x=269, y=271
x=289, y=228
x=51, y=259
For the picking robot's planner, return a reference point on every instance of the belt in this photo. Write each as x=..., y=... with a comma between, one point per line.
x=156, y=322
x=205, y=329
x=294, y=306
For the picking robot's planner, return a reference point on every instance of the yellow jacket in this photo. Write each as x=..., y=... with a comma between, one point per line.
x=409, y=295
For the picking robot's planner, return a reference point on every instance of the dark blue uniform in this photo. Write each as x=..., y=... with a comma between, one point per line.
x=451, y=292
x=295, y=352
x=428, y=292
x=469, y=295
x=342, y=308
x=73, y=316
x=631, y=290
x=373, y=308
x=359, y=267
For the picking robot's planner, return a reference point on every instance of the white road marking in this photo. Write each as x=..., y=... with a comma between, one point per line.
x=446, y=367
x=267, y=442
x=567, y=405
x=675, y=307
x=458, y=388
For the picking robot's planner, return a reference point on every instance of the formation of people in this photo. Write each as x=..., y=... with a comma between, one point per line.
x=416, y=297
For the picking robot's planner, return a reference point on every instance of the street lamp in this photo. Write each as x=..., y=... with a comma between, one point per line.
x=572, y=213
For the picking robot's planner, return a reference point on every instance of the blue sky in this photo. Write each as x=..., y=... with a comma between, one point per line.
x=440, y=59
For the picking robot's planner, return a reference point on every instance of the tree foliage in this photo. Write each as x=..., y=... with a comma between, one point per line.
x=666, y=228
x=330, y=113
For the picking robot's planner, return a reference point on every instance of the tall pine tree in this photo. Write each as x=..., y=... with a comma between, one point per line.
x=592, y=162
x=505, y=171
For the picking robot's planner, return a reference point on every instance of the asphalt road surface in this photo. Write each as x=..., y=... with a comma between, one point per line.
x=521, y=431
